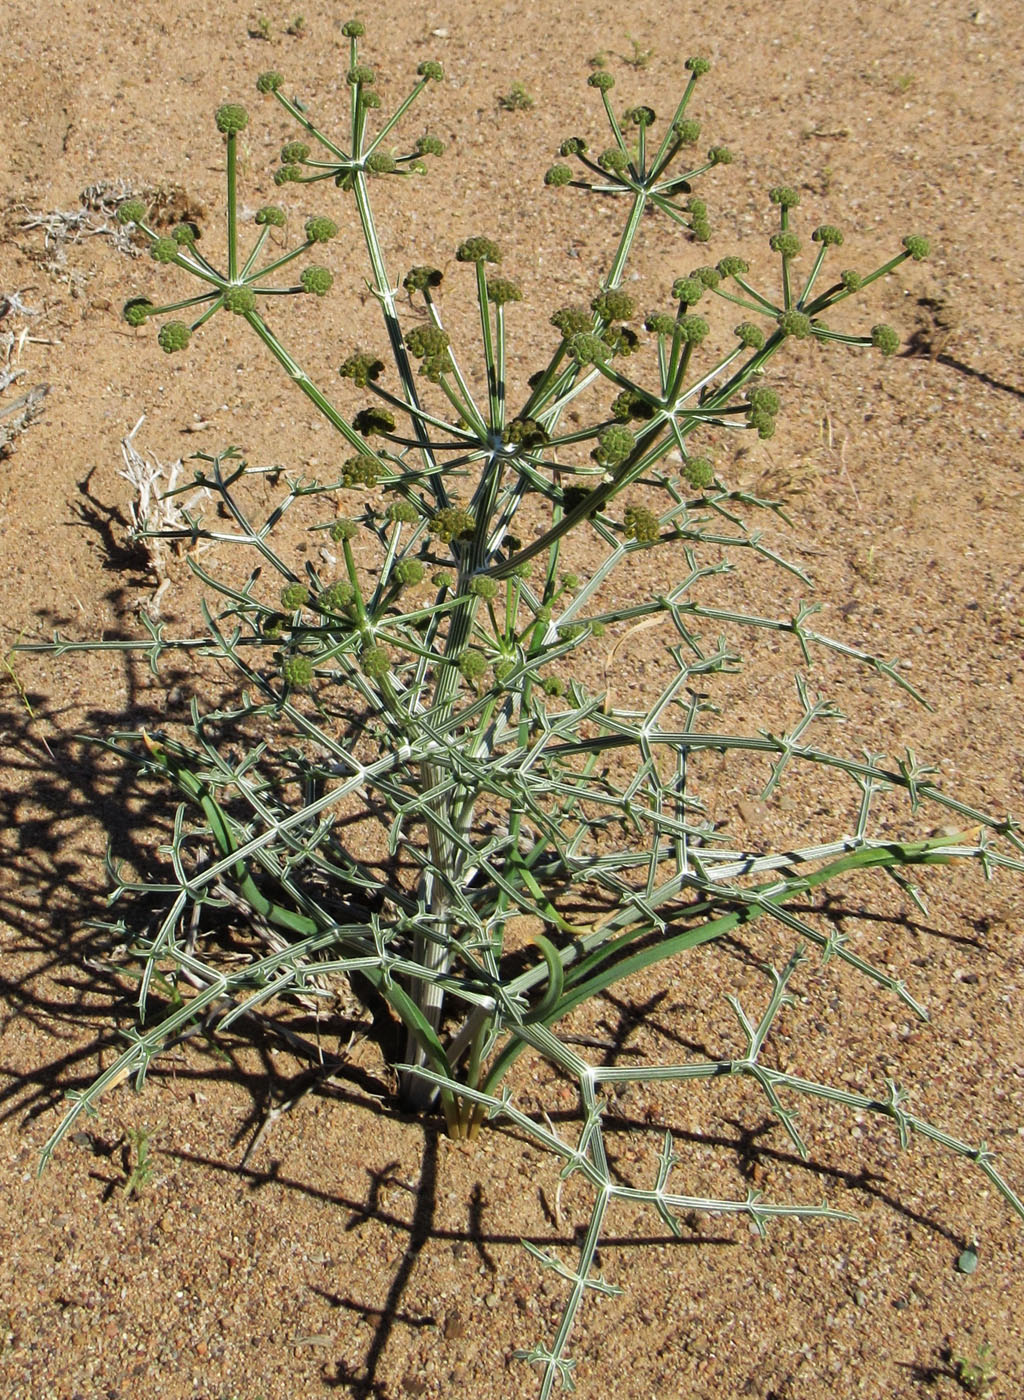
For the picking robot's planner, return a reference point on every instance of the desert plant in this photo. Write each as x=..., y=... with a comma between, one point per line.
x=421, y=784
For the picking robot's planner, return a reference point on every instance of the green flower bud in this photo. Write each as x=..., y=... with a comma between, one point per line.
x=269, y=82
x=275, y=625
x=701, y=230
x=785, y=243
x=272, y=215
x=360, y=470
x=570, y=582
x=320, y=229
x=408, y=572
x=163, y=250
x=697, y=66
x=554, y=686
x=297, y=672
x=131, y=211
x=231, y=118
x=441, y=579
x=615, y=443
x=614, y=305
x=597, y=629
x=828, y=234
x=361, y=368
x=851, y=280
x=613, y=159
x=419, y=279
x=501, y=290
x=572, y=146
x=558, y=175
x=916, y=246
x=294, y=596
x=692, y=329
x=688, y=290
x=621, y=340
x=699, y=472
x=373, y=420
x=543, y=614
x=526, y=433
x=294, y=153
x=381, y=163
x=476, y=250
x=572, y=320
x=601, y=80
x=750, y=335
x=763, y=422
x=317, y=280
x=641, y=116
x=472, y=664
x=375, y=663
x=629, y=405
x=288, y=175
x=733, y=267
x=175, y=335
x=368, y=99
x=708, y=277
x=794, y=323
x=696, y=207
x=884, y=338
x=503, y=669
x=763, y=400
x=481, y=586
x=431, y=70
x=641, y=524
x=687, y=129
x=427, y=340
x=720, y=155
x=403, y=512
x=336, y=597
x=136, y=311
x=240, y=300
x=785, y=196
x=353, y=29
x=660, y=323
x=344, y=529
x=185, y=235
x=588, y=349
x=452, y=523
x=429, y=145
x=361, y=73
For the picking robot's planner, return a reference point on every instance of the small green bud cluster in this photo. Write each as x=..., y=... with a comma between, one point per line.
x=431, y=70
x=316, y=280
x=720, y=155
x=501, y=290
x=427, y=340
x=604, y=82
x=477, y=250
x=174, y=335
x=360, y=470
x=272, y=215
x=587, y=348
x=185, y=235
x=275, y=625
x=572, y=320
x=688, y=290
x=368, y=99
x=641, y=116
x=697, y=66
x=699, y=472
x=163, y=250
x=526, y=433
x=785, y=196
x=419, y=279
x=131, y=211
x=320, y=229
x=613, y=160
x=554, y=686
x=640, y=524
x=571, y=631
x=687, y=130
x=402, y=512
x=700, y=225
x=573, y=146
x=828, y=234
x=381, y=163
x=452, y=523
x=231, y=118
x=692, y=329
x=764, y=408
x=614, y=305
x=480, y=586
x=788, y=244
x=750, y=335
x=615, y=443
x=630, y=405
x=240, y=300
x=294, y=596
x=708, y=277
x=794, y=323
x=558, y=175
x=336, y=597
x=353, y=29
x=660, y=323
x=375, y=662
x=361, y=368
x=916, y=246
x=294, y=153
x=343, y=529
x=884, y=338
x=732, y=267
x=428, y=145
x=297, y=672
x=851, y=280
x=137, y=310
x=373, y=420
x=288, y=175
x=361, y=74
x=472, y=664
x=408, y=572
x=269, y=82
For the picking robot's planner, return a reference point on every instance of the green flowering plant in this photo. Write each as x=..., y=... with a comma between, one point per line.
x=534, y=842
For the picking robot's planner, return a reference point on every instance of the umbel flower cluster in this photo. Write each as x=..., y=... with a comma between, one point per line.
x=526, y=840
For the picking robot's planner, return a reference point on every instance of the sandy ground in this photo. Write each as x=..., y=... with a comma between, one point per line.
x=351, y=1250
